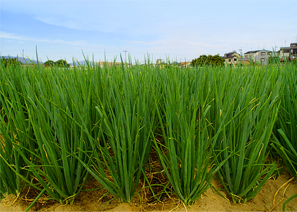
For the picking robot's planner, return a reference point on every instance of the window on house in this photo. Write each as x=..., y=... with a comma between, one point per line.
x=262, y=60
x=263, y=53
x=229, y=60
x=235, y=59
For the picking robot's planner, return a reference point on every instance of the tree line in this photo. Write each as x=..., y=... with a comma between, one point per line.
x=9, y=61
x=203, y=60
x=59, y=63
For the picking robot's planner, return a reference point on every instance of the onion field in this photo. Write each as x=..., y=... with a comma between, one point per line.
x=61, y=127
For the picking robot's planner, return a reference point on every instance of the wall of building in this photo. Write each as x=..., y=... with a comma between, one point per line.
x=262, y=57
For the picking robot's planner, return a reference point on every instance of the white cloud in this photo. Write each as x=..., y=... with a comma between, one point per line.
x=6, y=35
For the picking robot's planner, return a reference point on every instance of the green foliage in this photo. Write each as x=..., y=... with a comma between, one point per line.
x=215, y=60
x=58, y=63
x=58, y=127
x=285, y=140
x=127, y=119
x=274, y=59
x=62, y=63
x=243, y=114
x=185, y=157
x=9, y=61
x=49, y=63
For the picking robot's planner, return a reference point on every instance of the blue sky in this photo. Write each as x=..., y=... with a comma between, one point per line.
x=178, y=30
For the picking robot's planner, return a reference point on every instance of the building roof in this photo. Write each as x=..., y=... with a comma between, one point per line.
x=249, y=52
x=230, y=55
x=184, y=63
x=255, y=51
x=285, y=49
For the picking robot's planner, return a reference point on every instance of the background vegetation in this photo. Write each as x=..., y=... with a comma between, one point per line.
x=204, y=60
x=59, y=63
x=9, y=61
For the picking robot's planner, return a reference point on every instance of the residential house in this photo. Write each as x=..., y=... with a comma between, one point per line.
x=293, y=51
x=185, y=64
x=245, y=61
x=231, y=58
x=258, y=56
x=160, y=63
x=284, y=53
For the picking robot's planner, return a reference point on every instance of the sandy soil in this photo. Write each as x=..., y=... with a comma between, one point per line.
x=270, y=198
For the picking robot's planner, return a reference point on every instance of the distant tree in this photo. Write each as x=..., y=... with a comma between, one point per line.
x=61, y=63
x=215, y=60
x=49, y=63
x=199, y=61
x=9, y=61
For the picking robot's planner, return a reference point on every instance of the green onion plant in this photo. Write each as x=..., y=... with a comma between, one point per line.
x=245, y=109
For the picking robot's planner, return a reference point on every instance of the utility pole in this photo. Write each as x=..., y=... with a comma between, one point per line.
x=23, y=52
x=125, y=56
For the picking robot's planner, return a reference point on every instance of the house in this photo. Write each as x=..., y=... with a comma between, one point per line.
x=159, y=61
x=293, y=51
x=287, y=53
x=258, y=56
x=185, y=64
x=231, y=58
x=284, y=53
x=245, y=61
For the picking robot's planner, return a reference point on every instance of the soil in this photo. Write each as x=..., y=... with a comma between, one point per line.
x=270, y=198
